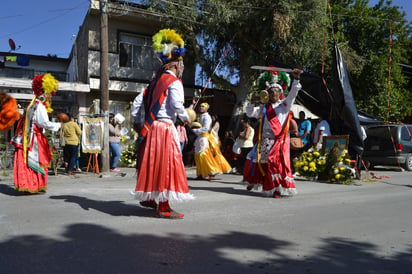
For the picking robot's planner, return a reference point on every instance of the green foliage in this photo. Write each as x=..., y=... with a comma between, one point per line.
x=363, y=34
x=293, y=32
x=258, y=32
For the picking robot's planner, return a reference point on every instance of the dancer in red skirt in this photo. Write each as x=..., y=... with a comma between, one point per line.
x=161, y=174
x=32, y=154
x=268, y=163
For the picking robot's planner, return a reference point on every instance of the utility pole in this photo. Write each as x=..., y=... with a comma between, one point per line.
x=104, y=84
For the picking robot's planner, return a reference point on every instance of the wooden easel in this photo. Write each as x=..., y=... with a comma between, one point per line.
x=93, y=163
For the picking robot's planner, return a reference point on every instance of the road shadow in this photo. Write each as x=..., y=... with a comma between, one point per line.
x=91, y=248
x=394, y=184
x=113, y=208
x=228, y=190
x=10, y=191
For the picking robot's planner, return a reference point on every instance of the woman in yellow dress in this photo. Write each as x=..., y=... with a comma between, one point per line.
x=208, y=157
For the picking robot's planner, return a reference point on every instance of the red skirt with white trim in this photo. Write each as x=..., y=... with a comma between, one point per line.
x=161, y=173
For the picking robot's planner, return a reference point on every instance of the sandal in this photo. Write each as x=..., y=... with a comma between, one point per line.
x=169, y=215
x=149, y=204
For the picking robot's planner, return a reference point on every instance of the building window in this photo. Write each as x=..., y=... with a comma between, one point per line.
x=136, y=52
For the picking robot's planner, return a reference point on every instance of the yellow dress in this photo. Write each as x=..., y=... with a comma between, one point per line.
x=205, y=161
x=220, y=160
x=209, y=160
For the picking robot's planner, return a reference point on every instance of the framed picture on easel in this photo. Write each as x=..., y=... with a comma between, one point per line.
x=92, y=135
x=335, y=144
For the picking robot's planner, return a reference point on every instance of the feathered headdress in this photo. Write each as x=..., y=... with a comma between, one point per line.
x=168, y=46
x=44, y=83
x=273, y=78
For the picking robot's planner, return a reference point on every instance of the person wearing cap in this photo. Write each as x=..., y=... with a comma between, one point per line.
x=208, y=157
x=32, y=155
x=268, y=163
x=114, y=142
x=322, y=130
x=161, y=176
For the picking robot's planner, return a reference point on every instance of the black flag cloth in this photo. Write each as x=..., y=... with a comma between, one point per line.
x=335, y=103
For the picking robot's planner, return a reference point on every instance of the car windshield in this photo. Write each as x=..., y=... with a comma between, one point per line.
x=382, y=131
x=381, y=135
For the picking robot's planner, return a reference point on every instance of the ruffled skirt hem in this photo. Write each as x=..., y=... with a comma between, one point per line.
x=162, y=196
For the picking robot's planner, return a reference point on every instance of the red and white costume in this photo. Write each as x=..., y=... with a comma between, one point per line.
x=31, y=160
x=161, y=173
x=271, y=167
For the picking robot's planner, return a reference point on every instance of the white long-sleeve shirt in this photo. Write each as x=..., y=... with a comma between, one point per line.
x=41, y=118
x=206, y=122
x=281, y=107
x=172, y=107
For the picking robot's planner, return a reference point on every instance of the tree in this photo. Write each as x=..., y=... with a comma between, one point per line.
x=363, y=33
x=257, y=32
x=292, y=33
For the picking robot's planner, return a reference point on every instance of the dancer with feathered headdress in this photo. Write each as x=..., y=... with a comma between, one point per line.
x=32, y=154
x=268, y=163
x=161, y=173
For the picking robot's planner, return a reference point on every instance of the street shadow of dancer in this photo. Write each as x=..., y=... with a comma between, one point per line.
x=114, y=208
x=11, y=191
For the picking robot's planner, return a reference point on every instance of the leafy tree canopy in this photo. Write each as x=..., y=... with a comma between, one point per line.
x=294, y=32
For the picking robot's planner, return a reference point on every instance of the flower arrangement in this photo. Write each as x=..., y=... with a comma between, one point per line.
x=129, y=155
x=310, y=163
x=331, y=167
x=340, y=170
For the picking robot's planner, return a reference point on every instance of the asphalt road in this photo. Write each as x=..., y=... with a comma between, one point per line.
x=89, y=223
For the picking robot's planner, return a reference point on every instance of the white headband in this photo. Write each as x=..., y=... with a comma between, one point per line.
x=273, y=85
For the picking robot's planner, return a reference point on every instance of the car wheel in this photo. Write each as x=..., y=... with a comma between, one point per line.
x=408, y=162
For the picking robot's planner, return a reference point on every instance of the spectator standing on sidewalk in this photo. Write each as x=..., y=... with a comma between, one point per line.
x=246, y=138
x=114, y=142
x=71, y=132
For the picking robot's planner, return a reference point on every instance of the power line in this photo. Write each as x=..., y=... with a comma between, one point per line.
x=49, y=11
x=155, y=14
x=65, y=11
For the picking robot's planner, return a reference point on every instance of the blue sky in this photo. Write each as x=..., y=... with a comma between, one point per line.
x=42, y=27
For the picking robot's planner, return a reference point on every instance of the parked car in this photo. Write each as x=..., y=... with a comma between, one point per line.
x=389, y=144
